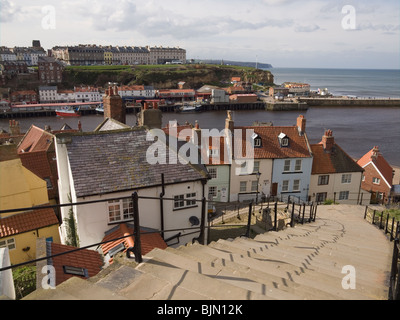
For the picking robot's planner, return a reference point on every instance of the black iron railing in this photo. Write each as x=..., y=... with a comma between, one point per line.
x=390, y=226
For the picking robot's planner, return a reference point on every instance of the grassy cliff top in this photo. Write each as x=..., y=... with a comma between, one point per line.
x=164, y=76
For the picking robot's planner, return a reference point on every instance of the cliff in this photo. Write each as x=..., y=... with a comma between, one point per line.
x=164, y=76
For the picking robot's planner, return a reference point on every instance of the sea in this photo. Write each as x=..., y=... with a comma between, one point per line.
x=356, y=129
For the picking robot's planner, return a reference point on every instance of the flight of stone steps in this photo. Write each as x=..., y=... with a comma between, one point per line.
x=309, y=262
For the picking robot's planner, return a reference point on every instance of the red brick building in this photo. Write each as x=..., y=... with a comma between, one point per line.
x=26, y=96
x=49, y=70
x=378, y=175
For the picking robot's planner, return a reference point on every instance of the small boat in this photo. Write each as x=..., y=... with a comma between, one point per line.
x=188, y=108
x=68, y=112
x=100, y=109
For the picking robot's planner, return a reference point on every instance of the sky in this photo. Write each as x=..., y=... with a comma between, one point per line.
x=284, y=33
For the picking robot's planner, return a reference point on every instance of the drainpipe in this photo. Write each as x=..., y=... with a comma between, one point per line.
x=162, y=194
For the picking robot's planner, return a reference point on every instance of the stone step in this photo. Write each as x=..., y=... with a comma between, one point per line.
x=346, y=254
x=326, y=269
x=290, y=276
x=239, y=278
x=276, y=279
x=75, y=289
x=197, y=283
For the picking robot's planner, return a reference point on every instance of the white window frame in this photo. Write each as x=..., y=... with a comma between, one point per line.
x=323, y=180
x=122, y=210
x=286, y=164
x=376, y=181
x=296, y=185
x=299, y=165
x=8, y=243
x=256, y=167
x=344, y=195
x=243, y=186
x=183, y=201
x=213, y=173
x=346, y=178
x=254, y=186
x=285, y=186
x=212, y=191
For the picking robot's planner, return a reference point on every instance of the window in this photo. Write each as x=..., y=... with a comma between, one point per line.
x=285, y=186
x=76, y=271
x=376, y=181
x=363, y=178
x=346, y=178
x=254, y=185
x=298, y=165
x=243, y=186
x=344, y=195
x=48, y=183
x=286, y=167
x=213, y=172
x=212, y=191
x=323, y=180
x=120, y=210
x=296, y=185
x=256, y=167
x=321, y=197
x=185, y=201
x=9, y=243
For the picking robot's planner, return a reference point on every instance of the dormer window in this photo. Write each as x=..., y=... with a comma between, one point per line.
x=283, y=140
x=257, y=140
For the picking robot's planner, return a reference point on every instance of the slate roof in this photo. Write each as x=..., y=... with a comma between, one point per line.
x=115, y=161
x=337, y=161
x=27, y=221
x=271, y=148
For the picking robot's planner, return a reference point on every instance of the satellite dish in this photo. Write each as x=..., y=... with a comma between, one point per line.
x=194, y=221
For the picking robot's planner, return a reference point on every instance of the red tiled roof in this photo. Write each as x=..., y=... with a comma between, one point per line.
x=149, y=241
x=36, y=139
x=27, y=221
x=271, y=149
x=381, y=164
x=337, y=161
x=86, y=259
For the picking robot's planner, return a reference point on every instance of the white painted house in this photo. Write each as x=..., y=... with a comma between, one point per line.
x=111, y=166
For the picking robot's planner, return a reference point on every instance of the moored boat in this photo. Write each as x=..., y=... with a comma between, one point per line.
x=188, y=108
x=68, y=112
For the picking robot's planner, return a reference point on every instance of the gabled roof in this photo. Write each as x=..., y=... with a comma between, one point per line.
x=150, y=239
x=336, y=161
x=271, y=148
x=116, y=161
x=27, y=221
x=89, y=260
x=35, y=140
x=380, y=164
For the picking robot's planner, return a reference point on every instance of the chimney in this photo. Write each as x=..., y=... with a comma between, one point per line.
x=196, y=135
x=114, y=107
x=229, y=123
x=301, y=125
x=375, y=153
x=151, y=118
x=328, y=141
x=15, y=129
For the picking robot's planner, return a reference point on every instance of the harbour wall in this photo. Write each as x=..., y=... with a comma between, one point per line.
x=350, y=102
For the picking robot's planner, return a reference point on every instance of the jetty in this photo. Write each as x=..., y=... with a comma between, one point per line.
x=264, y=103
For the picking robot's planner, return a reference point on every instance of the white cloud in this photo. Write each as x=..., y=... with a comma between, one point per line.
x=234, y=28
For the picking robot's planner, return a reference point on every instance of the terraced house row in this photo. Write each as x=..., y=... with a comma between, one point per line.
x=82, y=55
